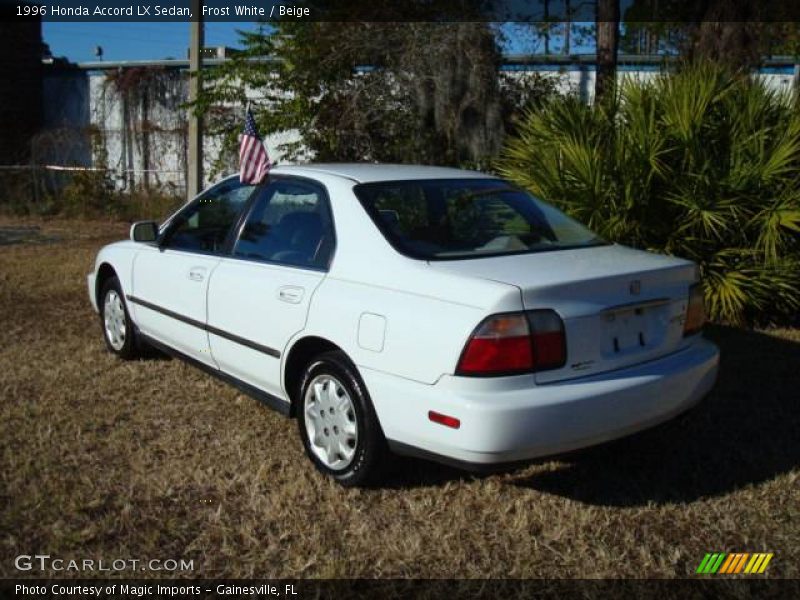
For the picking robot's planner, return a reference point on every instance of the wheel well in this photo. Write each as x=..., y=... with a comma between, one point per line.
x=104, y=273
x=299, y=356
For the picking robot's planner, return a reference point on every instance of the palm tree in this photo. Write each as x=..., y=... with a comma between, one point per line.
x=701, y=164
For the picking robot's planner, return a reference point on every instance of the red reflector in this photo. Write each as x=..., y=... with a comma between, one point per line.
x=444, y=419
x=497, y=355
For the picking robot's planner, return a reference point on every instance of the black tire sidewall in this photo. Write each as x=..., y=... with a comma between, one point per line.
x=370, y=444
x=128, y=349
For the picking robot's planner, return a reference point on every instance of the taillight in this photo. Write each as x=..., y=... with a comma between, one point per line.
x=549, y=341
x=500, y=345
x=514, y=343
x=695, y=311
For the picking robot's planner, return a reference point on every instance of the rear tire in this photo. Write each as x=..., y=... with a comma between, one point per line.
x=337, y=422
x=118, y=329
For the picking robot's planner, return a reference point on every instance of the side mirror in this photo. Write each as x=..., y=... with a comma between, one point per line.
x=144, y=231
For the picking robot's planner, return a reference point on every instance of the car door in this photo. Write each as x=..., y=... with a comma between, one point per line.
x=170, y=278
x=258, y=297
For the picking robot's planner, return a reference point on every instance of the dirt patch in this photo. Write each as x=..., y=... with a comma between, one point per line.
x=24, y=235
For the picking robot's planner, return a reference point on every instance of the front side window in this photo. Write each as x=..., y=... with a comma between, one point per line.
x=289, y=223
x=444, y=219
x=203, y=226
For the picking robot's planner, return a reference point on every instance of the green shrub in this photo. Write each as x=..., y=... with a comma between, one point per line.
x=16, y=192
x=143, y=204
x=87, y=194
x=702, y=164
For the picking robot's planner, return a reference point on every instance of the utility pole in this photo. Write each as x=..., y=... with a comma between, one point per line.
x=194, y=159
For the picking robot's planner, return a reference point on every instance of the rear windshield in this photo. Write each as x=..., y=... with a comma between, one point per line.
x=441, y=219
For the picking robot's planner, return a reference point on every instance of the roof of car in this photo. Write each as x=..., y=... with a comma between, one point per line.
x=370, y=172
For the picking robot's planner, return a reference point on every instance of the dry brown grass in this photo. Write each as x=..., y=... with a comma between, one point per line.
x=152, y=459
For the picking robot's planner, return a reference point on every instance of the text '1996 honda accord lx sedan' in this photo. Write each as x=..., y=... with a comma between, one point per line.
x=423, y=310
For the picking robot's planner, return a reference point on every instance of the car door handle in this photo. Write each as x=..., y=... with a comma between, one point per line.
x=291, y=294
x=197, y=273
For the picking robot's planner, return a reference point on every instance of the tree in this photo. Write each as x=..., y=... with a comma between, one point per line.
x=607, y=21
x=736, y=33
x=453, y=72
x=727, y=33
x=416, y=92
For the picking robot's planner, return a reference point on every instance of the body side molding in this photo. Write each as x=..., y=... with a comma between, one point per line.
x=213, y=330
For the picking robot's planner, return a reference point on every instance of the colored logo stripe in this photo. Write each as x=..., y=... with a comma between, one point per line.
x=737, y=562
x=740, y=564
x=760, y=565
x=703, y=564
x=711, y=563
x=756, y=558
x=715, y=565
x=734, y=564
x=731, y=560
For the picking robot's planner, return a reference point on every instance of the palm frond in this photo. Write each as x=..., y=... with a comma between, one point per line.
x=701, y=163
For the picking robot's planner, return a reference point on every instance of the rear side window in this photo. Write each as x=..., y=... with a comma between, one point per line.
x=449, y=219
x=289, y=223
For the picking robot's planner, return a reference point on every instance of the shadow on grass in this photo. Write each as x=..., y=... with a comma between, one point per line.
x=744, y=432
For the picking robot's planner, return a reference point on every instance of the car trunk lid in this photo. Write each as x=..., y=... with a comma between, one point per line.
x=620, y=306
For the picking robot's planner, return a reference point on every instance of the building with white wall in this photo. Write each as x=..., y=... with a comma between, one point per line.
x=130, y=118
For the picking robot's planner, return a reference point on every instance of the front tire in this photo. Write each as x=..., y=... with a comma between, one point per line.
x=118, y=331
x=338, y=426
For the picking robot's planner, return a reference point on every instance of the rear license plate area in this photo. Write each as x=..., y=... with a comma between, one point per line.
x=626, y=330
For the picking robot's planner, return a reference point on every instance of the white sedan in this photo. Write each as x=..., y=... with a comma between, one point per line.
x=429, y=311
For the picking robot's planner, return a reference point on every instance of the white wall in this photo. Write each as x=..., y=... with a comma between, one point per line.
x=124, y=152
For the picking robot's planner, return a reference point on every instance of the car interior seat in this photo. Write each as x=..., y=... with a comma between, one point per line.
x=298, y=235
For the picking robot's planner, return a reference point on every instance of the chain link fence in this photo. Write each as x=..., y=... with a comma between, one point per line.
x=68, y=173
x=87, y=192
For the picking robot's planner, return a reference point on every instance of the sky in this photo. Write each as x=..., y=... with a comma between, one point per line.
x=133, y=41
x=153, y=40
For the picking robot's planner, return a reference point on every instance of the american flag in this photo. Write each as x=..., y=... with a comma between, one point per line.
x=253, y=160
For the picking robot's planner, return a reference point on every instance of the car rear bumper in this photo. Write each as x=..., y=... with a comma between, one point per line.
x=90, y=279
x=510, y=418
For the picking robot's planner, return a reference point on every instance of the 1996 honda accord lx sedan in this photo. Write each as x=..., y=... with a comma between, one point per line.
x=424, y=310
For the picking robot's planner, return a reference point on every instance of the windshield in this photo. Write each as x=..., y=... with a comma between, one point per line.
x=442, y=219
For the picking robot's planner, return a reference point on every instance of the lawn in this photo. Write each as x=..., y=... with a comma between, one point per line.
x=106, y=459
